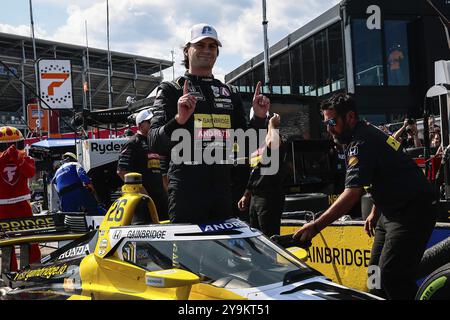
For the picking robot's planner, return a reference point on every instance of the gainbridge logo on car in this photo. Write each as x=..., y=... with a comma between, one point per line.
x=26, y=223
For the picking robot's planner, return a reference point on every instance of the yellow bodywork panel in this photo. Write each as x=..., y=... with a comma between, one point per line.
x=121, y=214
x=341, y=252
x=170, y=278
x=79, y=297
x=203, y=291
x=112, y=279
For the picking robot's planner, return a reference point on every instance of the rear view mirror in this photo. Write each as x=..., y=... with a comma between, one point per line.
x=300, y=253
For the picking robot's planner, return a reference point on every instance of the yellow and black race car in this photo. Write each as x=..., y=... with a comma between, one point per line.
x=133, y=256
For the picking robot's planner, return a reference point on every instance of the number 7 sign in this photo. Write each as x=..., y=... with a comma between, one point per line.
x=55, y=83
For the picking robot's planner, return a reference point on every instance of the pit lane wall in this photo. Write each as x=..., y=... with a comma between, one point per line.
x=342, y=250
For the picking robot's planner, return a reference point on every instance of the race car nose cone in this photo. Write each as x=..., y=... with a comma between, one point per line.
x=133, y=178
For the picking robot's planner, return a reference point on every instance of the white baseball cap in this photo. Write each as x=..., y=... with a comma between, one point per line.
x=143, y=115
x=202, y=31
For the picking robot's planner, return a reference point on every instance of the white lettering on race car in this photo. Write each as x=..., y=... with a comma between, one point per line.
x=77, y=251
x=223, y=226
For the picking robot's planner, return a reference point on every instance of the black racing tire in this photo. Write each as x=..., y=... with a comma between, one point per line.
x=314, y=202
x=436, y=286
x=434, y=257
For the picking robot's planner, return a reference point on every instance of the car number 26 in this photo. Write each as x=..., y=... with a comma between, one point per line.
x=117, y=211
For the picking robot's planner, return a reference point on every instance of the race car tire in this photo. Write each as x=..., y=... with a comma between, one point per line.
x=434, y=257
x=306, y=202
x=436, y=286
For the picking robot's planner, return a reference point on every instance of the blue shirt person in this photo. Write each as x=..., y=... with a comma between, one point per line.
x=75, y=188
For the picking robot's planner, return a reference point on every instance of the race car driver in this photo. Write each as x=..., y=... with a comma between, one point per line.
x=15, y=169
x=199, y=104
x=401, y=193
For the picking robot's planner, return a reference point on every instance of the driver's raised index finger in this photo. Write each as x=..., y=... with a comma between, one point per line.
x=257, y=89
x=186, y=87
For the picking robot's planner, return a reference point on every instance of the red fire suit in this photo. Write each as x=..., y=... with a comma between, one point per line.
x=15, y=169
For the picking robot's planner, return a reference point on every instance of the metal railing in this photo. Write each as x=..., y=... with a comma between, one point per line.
x=378, y=72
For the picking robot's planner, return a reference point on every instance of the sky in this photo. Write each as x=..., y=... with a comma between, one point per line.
x=153, y=28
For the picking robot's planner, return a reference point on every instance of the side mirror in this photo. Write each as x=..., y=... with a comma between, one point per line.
x=182, y=280
x=300, y=253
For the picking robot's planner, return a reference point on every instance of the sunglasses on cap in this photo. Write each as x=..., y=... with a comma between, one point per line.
x=330, y=122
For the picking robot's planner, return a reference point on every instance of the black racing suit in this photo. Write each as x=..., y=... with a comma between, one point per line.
x=267, y=200
x=401, y=192
x=198, y=192
x=136, y=156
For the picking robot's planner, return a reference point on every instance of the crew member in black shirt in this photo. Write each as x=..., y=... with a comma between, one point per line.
x=265, y=192
x=136, y=156
x=402, y=196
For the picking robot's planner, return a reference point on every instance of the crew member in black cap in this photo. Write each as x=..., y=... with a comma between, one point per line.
x=137, y=156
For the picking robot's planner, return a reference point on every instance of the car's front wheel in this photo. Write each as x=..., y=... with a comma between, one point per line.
x=436, y=286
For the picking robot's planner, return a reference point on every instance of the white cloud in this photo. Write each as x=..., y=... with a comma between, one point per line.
x=153, y=28
x=23, y=30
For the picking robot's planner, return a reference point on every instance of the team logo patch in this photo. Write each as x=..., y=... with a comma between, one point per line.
x=225, y=92
x=353, y=161
x=256, y=157
x=353, y=151
x=221, y=121
x=196, y=91
x=216, y=91
x=207, y=30
x=10, y=174
x=227, y=106
x=153, y=161
x=223, y=103
x=393, y=143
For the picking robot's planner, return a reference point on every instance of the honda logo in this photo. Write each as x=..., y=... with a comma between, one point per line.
x=117, y=234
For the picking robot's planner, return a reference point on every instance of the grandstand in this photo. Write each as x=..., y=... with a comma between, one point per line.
x=132, y=75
